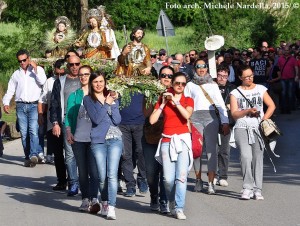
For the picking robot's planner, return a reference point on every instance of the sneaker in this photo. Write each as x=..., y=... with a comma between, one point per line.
x=73, y=190
x=111, y=215
x=198, y=185
x=211, y=189
x=223, y=183
x=164, y=207
x=27, y=162
x=215, y=181
x=258, y=195
x=143, y=186
x=180, y=215
x=246, y=194
x=95, y=206
x=49, y=159
x=120, y=188
x=104, y=208
x=59, y=187
x=85, y=205
x=41, y=158
x=33, y=161
x=154, y=205
x=130, y=192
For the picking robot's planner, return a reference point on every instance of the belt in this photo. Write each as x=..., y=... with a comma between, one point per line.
x=27, y=102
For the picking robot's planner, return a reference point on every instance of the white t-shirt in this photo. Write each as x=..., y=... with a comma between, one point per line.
x=255, y=96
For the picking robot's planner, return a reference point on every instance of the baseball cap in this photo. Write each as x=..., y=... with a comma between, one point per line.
x=153, y=52
x=162, y=52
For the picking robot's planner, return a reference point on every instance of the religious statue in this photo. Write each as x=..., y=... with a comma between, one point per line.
x=60, y=39
x=135, y=57
x=98, y=39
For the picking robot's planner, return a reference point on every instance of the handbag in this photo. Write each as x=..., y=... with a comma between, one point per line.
x=197, y=141
x=269, y=129
x=152, y=133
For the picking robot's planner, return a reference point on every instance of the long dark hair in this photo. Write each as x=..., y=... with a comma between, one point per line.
x=93, y=76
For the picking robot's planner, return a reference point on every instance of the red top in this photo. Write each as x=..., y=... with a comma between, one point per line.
x=289, y=69
x=174, y=122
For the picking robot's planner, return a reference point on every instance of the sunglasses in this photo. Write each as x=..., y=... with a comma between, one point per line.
x=74, y=64
x=201, y=66
x=20, y=61
x=84, y=75
x=162, y=54
x=166, y=76
x=153, y=56
x=180, y=83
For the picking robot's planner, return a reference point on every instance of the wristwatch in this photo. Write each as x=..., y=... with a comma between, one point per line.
x=55, y=123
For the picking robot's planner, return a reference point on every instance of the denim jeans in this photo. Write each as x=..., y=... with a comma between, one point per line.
x=288, y=94
x=88, y=175
x=107, y=157
x=70, y=159
x=132, y=134
x=55, y=144
x=154, y=172
x=175, y=174
x=27, y=116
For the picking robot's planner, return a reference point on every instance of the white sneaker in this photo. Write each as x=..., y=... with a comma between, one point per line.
x=198, y=185
x=258, y=195
x=215, y=181
x=41, y=158
x=211, y=189
x=111, y=215
x=180, y=215
x=223, y=183
x=246, y=194
x=104, y=208
x=85, y=205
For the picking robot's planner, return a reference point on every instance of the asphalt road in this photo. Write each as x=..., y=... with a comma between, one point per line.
x=26, y=197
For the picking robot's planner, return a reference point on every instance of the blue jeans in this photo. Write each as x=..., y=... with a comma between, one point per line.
x=175, y=174
x=288, y=94
x=88, y=175
x=69, y=159
x=154, y=172
x=27, y=116
x=107, y=156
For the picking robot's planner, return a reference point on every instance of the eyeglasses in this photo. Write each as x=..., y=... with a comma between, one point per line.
x=74, y=64
x=180, y=83
x=248, y=77
x=222, y=76
x=153, y=56
x=201, y=66
x=162, y=54
x=84, y=75
x=166, y=75
x=20, y=61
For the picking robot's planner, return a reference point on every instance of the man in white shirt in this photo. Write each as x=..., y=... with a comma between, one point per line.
x=26, y=83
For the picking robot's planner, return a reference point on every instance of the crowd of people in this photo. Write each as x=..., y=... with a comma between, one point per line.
x=96, y=145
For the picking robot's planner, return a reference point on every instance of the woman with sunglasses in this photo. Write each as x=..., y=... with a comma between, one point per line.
x=106, y=139
x=245, y=134
x=78, y=127
x=150, y=142
x=174, y=149
x=206, y=120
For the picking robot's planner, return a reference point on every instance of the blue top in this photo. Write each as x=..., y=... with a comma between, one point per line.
x=133, y=114
x=102, y=117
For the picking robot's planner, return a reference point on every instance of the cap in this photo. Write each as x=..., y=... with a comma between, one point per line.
x=153, y=52
x=162, y=52
x=271, y=49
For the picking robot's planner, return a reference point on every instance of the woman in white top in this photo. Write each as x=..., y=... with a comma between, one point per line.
x=245, y=134
x=206, y=121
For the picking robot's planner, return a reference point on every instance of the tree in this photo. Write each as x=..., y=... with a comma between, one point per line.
x=84, y=8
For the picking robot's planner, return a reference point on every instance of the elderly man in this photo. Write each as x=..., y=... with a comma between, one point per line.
x=26, y=83
x=62, y=88
x=185, y=68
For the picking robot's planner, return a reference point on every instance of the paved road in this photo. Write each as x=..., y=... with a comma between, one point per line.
x=26, y=197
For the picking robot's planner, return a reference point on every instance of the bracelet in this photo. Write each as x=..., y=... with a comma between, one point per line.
x=160, y=108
